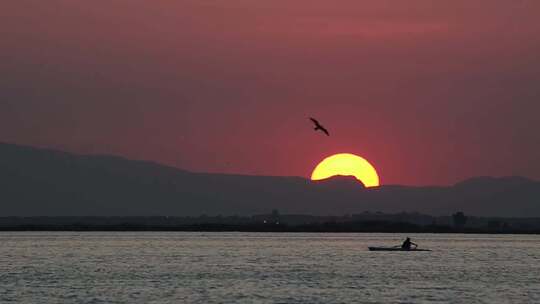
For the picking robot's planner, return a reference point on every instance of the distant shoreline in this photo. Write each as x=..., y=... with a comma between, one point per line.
x=276, y=222
x=391, y=228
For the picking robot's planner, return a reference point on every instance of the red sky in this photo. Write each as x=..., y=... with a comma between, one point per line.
x=430, y=92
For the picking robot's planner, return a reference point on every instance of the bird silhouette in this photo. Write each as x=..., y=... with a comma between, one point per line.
x=318, y=126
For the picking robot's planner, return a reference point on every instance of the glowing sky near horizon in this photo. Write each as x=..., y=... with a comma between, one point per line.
x=431, y=92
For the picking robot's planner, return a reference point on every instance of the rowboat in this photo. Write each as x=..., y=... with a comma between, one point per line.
x=395, y=249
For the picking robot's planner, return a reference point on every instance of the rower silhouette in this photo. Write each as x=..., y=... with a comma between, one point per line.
x=407, y=244
x=318, y=126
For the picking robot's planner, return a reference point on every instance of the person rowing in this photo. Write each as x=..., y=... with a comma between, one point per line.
x=407, y=244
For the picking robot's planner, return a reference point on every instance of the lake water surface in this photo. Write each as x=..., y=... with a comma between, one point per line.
x=184, y=267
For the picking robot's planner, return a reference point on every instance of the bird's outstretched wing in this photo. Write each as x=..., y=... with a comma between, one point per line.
x=325, y=131
x=314, y=121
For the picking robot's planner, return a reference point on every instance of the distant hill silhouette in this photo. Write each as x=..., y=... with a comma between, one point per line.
x=339, y=181
x=40, y=182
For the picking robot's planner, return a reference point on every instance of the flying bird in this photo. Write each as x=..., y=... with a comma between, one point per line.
x=318, y=126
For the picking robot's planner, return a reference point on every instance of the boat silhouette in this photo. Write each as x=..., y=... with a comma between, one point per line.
x=396, y=249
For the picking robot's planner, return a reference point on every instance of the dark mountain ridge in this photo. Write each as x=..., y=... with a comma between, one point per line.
x=42, y=182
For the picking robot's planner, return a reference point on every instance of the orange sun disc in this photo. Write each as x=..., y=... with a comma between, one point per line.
x=349, y=165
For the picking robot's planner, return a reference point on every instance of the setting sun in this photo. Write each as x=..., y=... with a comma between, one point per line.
x=349, y=165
